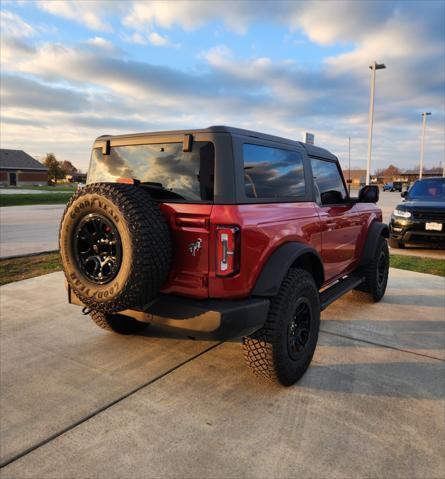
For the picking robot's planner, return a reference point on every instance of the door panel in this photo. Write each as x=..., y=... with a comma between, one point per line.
x=340, y=227
x=341, y=222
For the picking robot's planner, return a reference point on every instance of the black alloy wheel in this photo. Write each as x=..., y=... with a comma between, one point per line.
x=98, y=248
x=382, y=269
x=299, y=328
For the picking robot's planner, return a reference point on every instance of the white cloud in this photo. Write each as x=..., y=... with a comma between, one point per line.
x=101, y=43
x=158, y=40
x=340, y=21
x=280, y=97
x=91, y=13
x=218, y=55
x=144, y=38
x=12, y=25
x=192, y=14
x=188, y=15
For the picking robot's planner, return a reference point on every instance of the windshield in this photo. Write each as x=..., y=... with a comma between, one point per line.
x=163, y=167
x=432, y=189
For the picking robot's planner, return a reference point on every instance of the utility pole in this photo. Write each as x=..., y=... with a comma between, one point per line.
x=349, y=182
x=422, y=141
x=375, y=66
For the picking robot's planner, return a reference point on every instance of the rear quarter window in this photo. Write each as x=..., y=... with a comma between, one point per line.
x=272, y=172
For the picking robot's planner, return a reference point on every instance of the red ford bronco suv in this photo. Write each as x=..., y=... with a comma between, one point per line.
x=221, y=233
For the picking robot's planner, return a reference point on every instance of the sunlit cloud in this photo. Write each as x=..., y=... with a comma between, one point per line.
x=113, y=73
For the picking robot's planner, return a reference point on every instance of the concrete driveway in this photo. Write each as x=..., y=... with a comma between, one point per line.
x=78, y=402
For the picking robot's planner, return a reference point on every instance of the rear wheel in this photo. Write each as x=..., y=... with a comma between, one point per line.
x=376, y=272
x=283, y=348
x=118, y=323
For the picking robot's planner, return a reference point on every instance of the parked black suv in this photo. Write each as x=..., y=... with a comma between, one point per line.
x=420, y=218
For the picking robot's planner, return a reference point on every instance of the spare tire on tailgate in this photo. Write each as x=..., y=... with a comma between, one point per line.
x=115, y=246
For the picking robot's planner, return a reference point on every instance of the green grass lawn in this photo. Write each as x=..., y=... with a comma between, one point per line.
x=35, y=199
x=420, y=265
x=56, y=188
x=24, y=267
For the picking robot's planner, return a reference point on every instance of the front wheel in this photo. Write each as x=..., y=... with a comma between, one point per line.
x=282, y=349
x=376, y=273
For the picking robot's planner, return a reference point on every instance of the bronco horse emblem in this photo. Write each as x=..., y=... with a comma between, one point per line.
x=195, y=247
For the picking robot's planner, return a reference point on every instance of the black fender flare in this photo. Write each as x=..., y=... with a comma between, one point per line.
x=375, y=231
x=284, y=257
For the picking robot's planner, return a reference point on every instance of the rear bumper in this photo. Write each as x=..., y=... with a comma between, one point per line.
x=204, y=319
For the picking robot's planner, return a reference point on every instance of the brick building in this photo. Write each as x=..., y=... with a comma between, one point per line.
x=17, y=168
x=357, y=177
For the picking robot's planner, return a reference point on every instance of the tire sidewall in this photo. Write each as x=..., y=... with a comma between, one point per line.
x=290, y=367
x=85, y=289
x=380, y=288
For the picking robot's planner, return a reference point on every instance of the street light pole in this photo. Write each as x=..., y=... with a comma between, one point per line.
x=422, y=141
x=375, y=66
x=349, y=181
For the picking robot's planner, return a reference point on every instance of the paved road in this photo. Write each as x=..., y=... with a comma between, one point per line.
x=32, y=229
x=79, y=402
x=29, y=229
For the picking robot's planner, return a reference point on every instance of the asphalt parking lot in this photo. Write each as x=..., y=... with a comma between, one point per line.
x=78, y=402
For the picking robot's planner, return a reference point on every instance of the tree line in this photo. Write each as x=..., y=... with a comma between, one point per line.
x=392, y=170
x=57, y=170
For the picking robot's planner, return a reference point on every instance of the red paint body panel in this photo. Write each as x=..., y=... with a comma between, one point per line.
x=188, y=223
x=338, y=233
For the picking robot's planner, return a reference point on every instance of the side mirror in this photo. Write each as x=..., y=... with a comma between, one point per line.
x=369, y=194
x=404, y=194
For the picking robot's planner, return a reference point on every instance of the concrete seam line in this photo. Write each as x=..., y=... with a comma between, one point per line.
x=103, y=408
x=382, y=345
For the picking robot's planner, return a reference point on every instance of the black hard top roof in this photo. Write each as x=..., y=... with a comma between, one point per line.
x=311, y=149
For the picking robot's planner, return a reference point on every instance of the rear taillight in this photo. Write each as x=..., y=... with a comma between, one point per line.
x=227, y=250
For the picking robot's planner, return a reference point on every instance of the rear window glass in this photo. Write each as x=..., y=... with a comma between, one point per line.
x=169, y=172
x=272, y=172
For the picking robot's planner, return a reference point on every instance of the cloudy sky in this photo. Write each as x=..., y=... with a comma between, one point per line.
x=73, y=70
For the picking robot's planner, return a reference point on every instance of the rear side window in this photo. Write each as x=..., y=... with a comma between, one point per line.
x=272, y=172
x=327, y=179
x=164, y=168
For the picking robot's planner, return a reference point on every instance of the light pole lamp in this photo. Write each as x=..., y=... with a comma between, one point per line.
x=422, y=141
x=375, y=66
